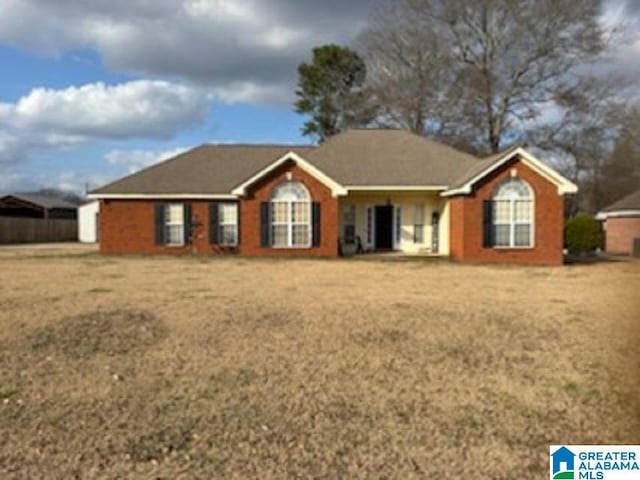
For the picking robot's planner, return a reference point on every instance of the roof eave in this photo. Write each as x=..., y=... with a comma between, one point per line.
x=564, y=185
x=618, y=214
x=335, y=187
x=409, y=188
x=160, y=196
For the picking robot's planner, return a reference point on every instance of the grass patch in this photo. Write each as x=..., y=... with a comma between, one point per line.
x=118, y=332
x=161, y=443
x=384, y=336
x=100, y=290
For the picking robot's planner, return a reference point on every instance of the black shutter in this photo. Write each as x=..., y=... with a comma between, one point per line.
x=214, y=230
x=487, y=224
x=186, y=210
x=159, y=224
x=238, y=220
x=315, y=219
x=265, y=224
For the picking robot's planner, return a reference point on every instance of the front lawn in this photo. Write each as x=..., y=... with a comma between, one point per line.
x=114, y=367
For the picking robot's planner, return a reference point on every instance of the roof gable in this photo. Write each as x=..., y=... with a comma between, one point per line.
x=465, y=184
x=335, y=187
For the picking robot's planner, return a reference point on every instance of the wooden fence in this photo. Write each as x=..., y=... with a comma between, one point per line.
x=37, y=230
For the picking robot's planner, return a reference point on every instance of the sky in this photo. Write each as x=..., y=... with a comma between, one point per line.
x=93, y=90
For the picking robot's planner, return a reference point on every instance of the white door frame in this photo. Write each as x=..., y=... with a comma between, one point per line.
x=397, y=232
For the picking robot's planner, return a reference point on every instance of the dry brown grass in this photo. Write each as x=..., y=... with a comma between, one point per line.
x=232, y=368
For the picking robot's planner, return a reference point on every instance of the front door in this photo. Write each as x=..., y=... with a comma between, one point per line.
x=384, y=227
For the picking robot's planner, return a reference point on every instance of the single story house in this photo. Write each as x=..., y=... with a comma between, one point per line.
x=622, y=225
x=31, y=205
x=361, y=190
x=89, y=222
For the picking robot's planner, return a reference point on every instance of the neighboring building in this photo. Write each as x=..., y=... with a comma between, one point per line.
x=379, y=190
x=622, y=224
x=89, y=222
x=28, y=205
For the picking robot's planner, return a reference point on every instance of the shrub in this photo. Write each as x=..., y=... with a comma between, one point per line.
x=583, y=234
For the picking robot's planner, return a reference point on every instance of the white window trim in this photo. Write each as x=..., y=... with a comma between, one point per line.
x=289, y=223
x=416, y=208
x=397, y=227
x=222, y=224
x=168, y=223
x=513, y=222
x=349, y=211
x=370, y=226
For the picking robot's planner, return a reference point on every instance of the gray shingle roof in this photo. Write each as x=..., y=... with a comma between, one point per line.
x=364, y=157
x=630, y=202
x=368, y=157
x=43, y=200
x=208, y=169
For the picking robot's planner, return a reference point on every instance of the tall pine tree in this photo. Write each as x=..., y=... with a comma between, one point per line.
x=330, y=90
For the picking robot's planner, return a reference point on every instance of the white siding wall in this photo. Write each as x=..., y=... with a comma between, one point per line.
x=87, y=226
x=407, y=202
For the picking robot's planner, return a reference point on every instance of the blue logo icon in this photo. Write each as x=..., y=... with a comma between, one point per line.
x=562, y=464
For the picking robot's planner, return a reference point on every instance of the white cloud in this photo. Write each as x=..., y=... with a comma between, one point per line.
x=135, y=160
x=11, y=149
x=217, y=43
x=67, y=118
x=143, y=108
x=248, y=92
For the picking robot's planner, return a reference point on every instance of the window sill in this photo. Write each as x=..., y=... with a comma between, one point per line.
x=513, y=248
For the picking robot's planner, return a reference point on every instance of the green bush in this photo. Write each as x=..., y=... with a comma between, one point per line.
x=583, y=234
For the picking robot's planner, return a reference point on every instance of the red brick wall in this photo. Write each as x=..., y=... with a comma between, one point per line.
x=456, y=227
x=466, y=222
x=127, y=226
x=261, y=192
x=620, y=234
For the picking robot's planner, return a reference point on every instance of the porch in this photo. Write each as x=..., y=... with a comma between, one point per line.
x=394, y=222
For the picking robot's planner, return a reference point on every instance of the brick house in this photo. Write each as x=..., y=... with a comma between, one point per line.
x=622, y=225
x=362, y=190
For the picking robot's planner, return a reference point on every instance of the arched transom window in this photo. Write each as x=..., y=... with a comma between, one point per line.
x=513, y=214
x=291, y=216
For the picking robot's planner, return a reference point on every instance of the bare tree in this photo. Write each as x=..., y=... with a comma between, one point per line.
x=407, y=69
x=485, y=66
x=620, y=173
x=579, y=134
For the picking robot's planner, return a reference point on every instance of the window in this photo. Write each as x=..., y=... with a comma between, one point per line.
x=291, y=216
x=228, y=224
x=418, y=223
x=349, y=224
x=513, y=214
x=174, y=224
